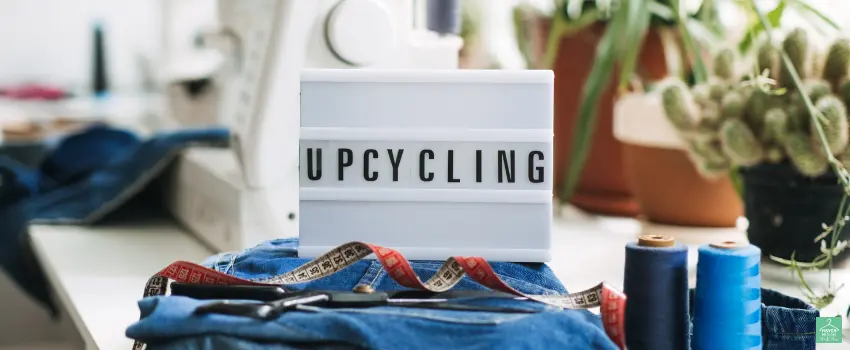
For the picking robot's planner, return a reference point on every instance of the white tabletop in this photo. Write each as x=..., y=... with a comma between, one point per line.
x=100, y=272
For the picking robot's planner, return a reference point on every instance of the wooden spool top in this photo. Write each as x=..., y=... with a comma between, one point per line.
x=656, y=241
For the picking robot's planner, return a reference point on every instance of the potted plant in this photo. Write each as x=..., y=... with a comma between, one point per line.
x=659, y=168
x=781, y=151
x=584, y=42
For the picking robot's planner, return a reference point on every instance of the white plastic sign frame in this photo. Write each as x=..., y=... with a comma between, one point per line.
x=432, y=163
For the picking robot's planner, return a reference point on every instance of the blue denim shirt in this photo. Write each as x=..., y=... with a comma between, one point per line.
x=87, y=176
x=788, y=323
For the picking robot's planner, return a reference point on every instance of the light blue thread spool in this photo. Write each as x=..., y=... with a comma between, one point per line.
x=727, y=302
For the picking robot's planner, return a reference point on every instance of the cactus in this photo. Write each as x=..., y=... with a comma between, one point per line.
x=674, y=99
x=732, y=105
x=834, y=123
x=796, y=46
x=798, y=114
x=775, y=126
x=701, y=94
x=837, y=62
x=710, y=115
x=817, y=89
x=724, y=64
x=768, y=58
x=798, y=147
x=724, y=123
x=708, y=157
x=755, y=108
x=740, y=144
x=843, y=92
x=717, y=89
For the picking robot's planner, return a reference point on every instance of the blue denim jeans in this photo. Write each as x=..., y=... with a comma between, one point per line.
x=787, y=323
x=167, y=323
x=85, y=177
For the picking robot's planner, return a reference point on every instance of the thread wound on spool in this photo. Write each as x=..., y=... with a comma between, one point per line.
x=656, y=283
x=727, y=301
x=656, y=241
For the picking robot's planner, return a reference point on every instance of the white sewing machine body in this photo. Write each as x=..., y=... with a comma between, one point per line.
x=234, y=199
x=433, y=163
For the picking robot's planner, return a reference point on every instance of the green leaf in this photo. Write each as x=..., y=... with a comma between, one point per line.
x=700, y=72
x=637, y=25
x=774, y=17
x=596, y=82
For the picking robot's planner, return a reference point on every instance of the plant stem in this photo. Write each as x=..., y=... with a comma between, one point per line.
x=843, y=212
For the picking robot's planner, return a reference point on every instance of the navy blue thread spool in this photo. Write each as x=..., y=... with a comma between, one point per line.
x=656, y=283
x=727, y=301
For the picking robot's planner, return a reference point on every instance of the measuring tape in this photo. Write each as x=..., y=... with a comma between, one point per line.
x=612, y=303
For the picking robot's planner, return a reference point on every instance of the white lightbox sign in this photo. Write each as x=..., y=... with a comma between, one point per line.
x=433, y=163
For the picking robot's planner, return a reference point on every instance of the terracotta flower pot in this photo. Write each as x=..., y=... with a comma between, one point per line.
x=602, y=187
x=665, y=182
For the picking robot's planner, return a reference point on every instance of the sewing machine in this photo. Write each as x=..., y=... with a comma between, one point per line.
x=236, y=198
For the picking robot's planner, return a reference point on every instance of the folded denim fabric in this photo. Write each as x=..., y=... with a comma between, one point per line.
x=167, y=323
x=86, y=176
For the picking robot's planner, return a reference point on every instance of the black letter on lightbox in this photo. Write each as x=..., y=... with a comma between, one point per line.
x=452, y=167
x=318, y=174
x=366, y=155
x=344, y=153
x=478, y=166
x=395, y=161
x=531, y=168
x=422, y=175
x=507, y=167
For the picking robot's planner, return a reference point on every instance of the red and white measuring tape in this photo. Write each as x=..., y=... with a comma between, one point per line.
x=612, y=303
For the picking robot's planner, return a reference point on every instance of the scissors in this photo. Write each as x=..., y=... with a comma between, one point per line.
x=273, y=309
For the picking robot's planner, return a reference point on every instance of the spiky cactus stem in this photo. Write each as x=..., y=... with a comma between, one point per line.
x=755, y=108
x=732, y=105
x=678, y=107
x=800, y=150
x=775, y=126
x=740, y=144
x=834, y=123
x=706, y=154
x=835, y=68
x=724, y=64
x=768, y=59
x=796, y=46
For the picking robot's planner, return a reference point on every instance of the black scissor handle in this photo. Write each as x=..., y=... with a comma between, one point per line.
x=219, y=291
